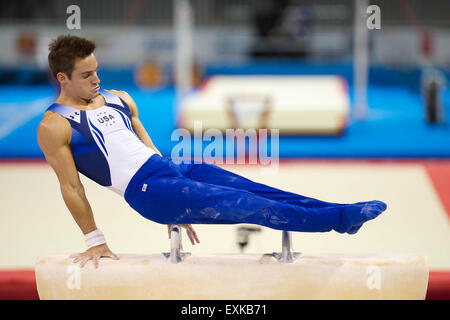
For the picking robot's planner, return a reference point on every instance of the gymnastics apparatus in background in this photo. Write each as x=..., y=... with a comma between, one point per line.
x=295, y=105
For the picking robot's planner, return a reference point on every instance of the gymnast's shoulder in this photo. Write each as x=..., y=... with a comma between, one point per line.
x=53, y=129
x=124, y=96
x=52, y=121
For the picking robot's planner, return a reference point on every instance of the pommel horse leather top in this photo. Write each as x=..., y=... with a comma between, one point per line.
x=284, y=275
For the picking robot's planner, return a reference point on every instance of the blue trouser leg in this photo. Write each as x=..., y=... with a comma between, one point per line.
x=206, y=172
x=171, y=197
x=209, y=173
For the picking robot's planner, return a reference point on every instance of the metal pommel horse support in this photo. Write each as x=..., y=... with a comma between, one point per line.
x=176, y=255
x=286, y=255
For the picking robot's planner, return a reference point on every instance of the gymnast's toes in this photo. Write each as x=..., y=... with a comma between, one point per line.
x=373, y=208
x=354, y=216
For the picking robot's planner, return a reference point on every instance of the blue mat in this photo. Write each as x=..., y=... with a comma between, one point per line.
x=395, y=127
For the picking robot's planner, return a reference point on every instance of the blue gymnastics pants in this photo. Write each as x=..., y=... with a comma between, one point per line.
x=193, y=193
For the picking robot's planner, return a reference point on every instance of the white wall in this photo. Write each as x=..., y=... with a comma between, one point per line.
x=132, y=45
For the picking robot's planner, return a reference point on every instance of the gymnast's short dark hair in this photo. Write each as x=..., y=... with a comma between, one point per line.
x=64, y=50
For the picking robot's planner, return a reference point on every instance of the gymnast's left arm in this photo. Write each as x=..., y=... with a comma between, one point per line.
x=136, y=123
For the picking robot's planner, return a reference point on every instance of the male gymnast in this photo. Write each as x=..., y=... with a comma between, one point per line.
x=98, y=133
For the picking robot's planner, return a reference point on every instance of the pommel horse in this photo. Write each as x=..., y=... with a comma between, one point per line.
x=283, y=275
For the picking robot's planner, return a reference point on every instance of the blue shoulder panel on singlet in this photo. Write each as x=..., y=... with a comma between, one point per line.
x=76, y=118
x=89, y=159
x=116, y=102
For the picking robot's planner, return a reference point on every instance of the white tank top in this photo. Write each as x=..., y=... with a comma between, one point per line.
x=104, y=145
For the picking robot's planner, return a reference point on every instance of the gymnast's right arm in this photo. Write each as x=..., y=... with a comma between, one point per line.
x=53, y=136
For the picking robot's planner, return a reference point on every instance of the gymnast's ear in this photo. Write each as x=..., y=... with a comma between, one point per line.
x=62, y=77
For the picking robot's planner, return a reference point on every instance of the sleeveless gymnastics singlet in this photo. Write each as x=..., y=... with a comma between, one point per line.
x=104, y=146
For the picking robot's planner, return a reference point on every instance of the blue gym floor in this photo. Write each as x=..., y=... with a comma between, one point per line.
x=395, y=126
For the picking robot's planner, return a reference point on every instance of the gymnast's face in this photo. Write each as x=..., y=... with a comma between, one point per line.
x=84, y=82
